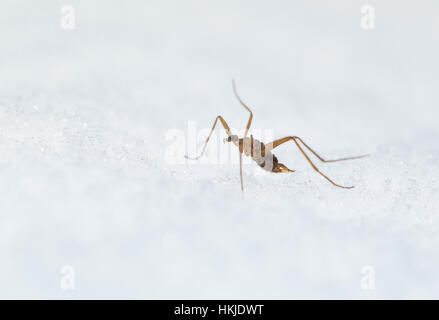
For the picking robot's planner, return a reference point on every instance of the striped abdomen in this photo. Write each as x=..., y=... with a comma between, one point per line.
x=256, y=150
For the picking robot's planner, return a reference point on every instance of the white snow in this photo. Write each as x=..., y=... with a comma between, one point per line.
x=85, y=181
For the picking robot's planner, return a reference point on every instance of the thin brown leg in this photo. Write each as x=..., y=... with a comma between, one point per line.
x=276, y=143
x=249, y=122
x=226, y=127
x=240, y=171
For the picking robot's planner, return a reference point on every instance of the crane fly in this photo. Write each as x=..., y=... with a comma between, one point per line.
x=261, y=153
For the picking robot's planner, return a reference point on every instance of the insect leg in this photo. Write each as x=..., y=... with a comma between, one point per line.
x=226, y=127
x=249, y=122
x=240, y=171
x=278, y=142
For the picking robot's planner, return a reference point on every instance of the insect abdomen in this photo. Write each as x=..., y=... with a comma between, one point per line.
x=256, y=149
x=268, y=162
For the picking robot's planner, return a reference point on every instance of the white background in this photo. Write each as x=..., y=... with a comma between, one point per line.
x=84, y=180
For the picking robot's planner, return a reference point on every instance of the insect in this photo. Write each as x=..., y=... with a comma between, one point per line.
x=261, y=153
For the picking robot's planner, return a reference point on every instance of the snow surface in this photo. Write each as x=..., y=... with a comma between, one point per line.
x=85, y=180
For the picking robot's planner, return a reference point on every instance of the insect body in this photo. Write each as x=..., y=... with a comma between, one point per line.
x=255, y=149
x=261, y=153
